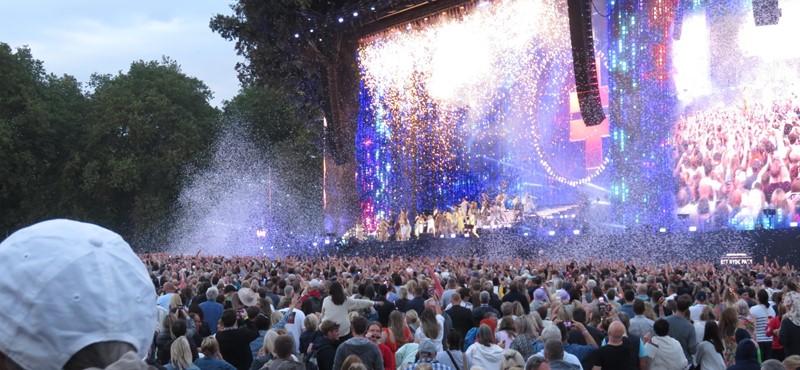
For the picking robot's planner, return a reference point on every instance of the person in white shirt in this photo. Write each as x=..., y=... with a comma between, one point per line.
x=665, y=352
x=432, y=327
x=697, y=309
x=763, y=313
x=484, y=353
x=337, y=306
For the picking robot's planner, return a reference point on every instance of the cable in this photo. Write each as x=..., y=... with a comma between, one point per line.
x=609, y=12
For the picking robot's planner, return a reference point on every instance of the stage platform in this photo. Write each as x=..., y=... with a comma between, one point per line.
x=653, y=246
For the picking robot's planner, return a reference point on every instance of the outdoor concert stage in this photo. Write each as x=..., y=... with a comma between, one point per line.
x=783, y=245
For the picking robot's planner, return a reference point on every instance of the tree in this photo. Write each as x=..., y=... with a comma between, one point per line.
x=40, y=118
x=145, y=127
x=316, y=70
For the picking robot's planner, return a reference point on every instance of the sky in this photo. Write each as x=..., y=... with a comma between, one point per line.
x=81, y=37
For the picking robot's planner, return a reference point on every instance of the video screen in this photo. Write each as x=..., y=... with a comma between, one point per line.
x=474, y=109
x=735, y=141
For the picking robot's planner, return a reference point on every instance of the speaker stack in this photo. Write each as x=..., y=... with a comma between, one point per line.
x=583, y=61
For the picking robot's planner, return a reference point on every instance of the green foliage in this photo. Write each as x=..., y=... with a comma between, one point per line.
x=118, y=150
x=316, y=71
x=114, y=156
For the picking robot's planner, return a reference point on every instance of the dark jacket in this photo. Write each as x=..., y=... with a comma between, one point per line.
x=307, y=337
x=462, y=319
x=746, y=356
x=326, y=352
x=516, y=296
x=494, y=301
x=478, y=313
x=384, y=311
x=401, y=304
x=417, y=304
x=234, y=345
x=789, y=337
x=164, y=345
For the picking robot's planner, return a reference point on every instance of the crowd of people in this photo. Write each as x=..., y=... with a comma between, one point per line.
x=463, y=218
x=737, y=165
x=462, y=313
x=77, y=297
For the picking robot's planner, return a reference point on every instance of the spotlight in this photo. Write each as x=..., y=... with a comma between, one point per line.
x=662, y=230
x=526, y=234
x=793, y=224
x=315, y=244
x=262, y=248
x=327, y=241
x=311, y=30
x=452, y=236
x=372, y=8
x=576, y=232
x=441, y=236
x=692, y=228
x=551, y=232
x=355, y=14
x=341, y=19
x=296, y=35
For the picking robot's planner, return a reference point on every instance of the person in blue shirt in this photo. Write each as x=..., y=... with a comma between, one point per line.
x=212, y=359
x=212, y=310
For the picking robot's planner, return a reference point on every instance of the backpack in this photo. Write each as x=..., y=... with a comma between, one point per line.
x=470, y=338
x=311, y=360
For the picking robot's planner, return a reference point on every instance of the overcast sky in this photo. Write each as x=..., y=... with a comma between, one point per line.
x=81, y=37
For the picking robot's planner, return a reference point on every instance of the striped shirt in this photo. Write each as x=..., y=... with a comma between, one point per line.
x=763, y=315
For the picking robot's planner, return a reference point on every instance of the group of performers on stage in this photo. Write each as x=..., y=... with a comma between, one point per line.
x=464, y=218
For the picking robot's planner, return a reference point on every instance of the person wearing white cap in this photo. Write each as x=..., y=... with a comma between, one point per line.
x=88, y=300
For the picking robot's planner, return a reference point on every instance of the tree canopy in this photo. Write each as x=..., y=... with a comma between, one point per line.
x=111, y=154
x=118, y=150
x=316, y=70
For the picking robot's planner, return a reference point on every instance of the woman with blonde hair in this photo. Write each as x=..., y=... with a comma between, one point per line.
x=397, y=333
x=728, y=324
x=412, y=319
x=175, y=302
x=402, y=299
x=431, y=327
x=792, y=362
x=180, y=356
x=700, y=325
x=526, y=336
x=212, y=359
x=351, y=361
x=512, y=360
x=267, y=351
x=310, y=324
x=506, y=332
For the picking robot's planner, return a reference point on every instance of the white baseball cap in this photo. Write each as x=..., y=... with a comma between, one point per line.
x=66, y=285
